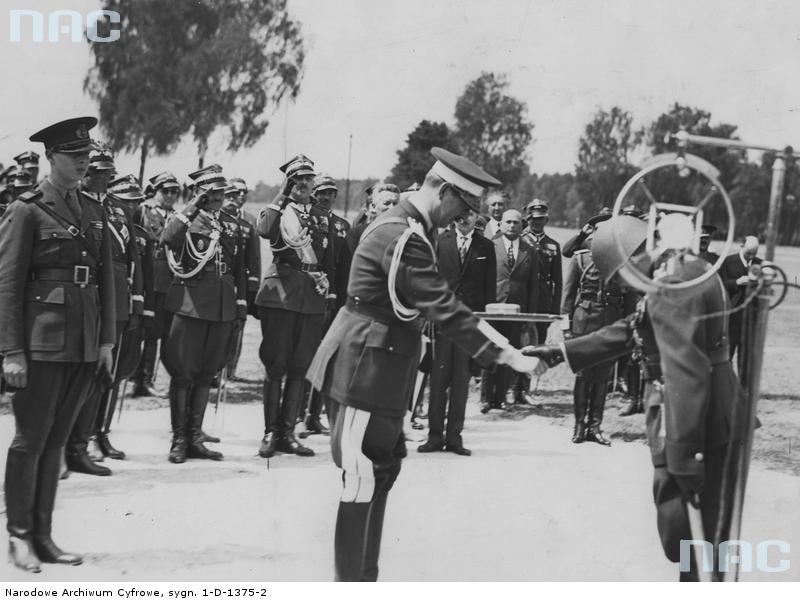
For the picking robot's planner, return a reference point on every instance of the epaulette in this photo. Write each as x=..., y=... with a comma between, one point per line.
x=30, y=196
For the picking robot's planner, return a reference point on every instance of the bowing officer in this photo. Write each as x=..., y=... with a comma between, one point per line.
x=205, y=250
x=292, y=302
x=690, y=384
x=56, y=331
x=368, y=360
x=467, y=262
x=128, y=292
x=152, y=216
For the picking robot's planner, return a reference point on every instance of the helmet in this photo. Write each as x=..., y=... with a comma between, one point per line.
x=615, y=241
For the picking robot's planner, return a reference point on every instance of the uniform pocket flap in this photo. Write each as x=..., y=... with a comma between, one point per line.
x=53, y=233
x=54, y=295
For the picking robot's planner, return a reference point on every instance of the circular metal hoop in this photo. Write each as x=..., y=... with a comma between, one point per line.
x=778, y=281
x=636, y=277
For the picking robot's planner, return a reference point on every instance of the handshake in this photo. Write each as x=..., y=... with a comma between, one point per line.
x=533, y=359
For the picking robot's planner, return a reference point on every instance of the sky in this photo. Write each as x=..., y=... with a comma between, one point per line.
x=375, y=68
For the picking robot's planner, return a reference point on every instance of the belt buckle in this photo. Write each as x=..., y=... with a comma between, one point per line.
x=80, y=275
x=73, y=231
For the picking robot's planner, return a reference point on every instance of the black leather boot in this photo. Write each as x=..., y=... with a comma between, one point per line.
x=143, y=381
x=104, y=417
x=177, y=411
x=292, y=398
x=20, y=487
x=272, y=423
x=377, y=510
x=349, y=541
x=580, y=404
x=597, y=403
x=22, y=555
x=78, y=460
x=46, y=485
x=197, y=410
x=313, y=423
x=631, y=408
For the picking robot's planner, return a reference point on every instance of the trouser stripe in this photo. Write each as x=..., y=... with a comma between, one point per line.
x=359, y=476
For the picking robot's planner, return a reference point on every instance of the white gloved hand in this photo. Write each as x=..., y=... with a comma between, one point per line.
x=523, y=364
x=742, y=280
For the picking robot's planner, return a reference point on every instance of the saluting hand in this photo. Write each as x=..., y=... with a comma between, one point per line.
x=15, y=370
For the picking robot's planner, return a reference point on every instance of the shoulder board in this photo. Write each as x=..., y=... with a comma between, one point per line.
x=31, y=195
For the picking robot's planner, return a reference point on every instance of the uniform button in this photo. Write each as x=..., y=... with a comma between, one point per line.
x=83, y=253
x=391, y=348
x=54, y=235
x=698, y=456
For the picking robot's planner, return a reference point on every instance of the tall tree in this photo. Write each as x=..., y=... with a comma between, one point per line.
x=603, y=156
x=193, y=66
x=415, y=160
x=492, y=128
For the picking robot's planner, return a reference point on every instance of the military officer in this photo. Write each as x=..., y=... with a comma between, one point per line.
x=368, y=359
x=235, y=198
x=152, y=216
x=207, y=298
x=691, y=387
x=127, y=193
x=591, y=304
x=56, y=331
x=324, y=193
x=292, y=301
x=579, y=241
x=18, y=181
x=129, y=307
x=29, y=161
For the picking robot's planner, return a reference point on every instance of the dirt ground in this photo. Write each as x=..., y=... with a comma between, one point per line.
x=527, y=506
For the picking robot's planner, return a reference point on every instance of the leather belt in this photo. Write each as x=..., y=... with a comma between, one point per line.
x=370, y=310
x=76, y=274
x=303, y=267
x=212, y=266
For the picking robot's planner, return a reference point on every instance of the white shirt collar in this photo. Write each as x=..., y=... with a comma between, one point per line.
x=514, y=244
x=468, y=235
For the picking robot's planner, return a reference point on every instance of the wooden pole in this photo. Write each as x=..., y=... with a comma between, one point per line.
x=347, y=182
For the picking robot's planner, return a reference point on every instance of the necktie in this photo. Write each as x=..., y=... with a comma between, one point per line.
x=73, y=205
x=511, y=259
x=463, y=245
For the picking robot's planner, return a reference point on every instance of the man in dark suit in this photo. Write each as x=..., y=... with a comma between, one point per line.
x=367, y=362
x=517, y=282
x=690, y=391
x=467, y=261
x=734, y=274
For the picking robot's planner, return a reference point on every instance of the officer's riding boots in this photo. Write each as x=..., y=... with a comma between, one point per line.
x=272, y=402
x=197, y=409
x=104, y=416
x=314, y=425
x=177, y=411
x=77, y=449
x=21, y=469
x=372, y=550
x=580, y=400
x=144, y=377
x=597, y=403
x=350, y=540
x=292, y=399
x=46, y=484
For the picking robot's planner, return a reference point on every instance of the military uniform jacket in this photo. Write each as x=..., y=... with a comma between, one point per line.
x=128, y=277
x=518, y=285
x=341, y=257
x=218, y=292
x=548, y=255
x=251, y=250
x=368, y=359
x=42, y=309
x=588, y=302
x=691, y=355
x=153, y=218
x=475, y=281
x=287, y=283
x=145, y=246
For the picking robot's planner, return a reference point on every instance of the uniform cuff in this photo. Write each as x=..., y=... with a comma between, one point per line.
x=149, y=313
